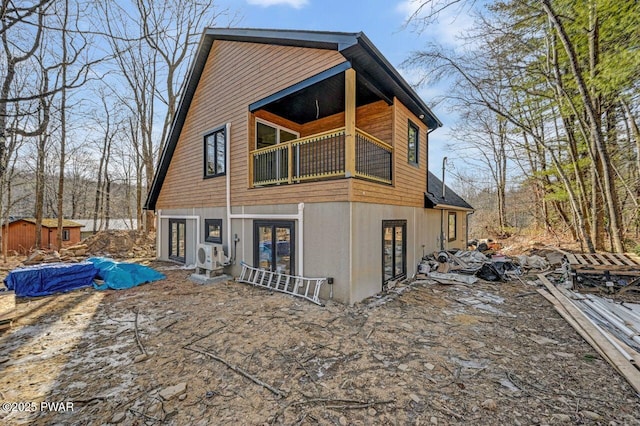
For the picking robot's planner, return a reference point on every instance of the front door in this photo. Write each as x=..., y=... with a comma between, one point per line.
x=274, y=246
x=177, y=239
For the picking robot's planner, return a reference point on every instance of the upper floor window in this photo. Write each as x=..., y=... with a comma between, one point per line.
x=268, y=134
x=215, y=153
x=413, y=143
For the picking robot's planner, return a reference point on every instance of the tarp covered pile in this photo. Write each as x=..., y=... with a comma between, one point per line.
x=46, y=279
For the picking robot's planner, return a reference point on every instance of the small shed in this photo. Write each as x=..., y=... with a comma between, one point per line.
x=20, y=234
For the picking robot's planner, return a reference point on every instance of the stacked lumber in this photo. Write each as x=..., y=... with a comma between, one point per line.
x=621, y=356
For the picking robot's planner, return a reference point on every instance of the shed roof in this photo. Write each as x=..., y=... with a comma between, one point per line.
x=433, y=197
x=52, y=223
x=356, y=48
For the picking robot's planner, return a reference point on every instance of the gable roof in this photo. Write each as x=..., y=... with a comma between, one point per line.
x=356, y=48
x=52, y=223
x=433, y=197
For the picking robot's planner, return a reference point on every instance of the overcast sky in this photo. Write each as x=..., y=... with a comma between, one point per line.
x=383, y=21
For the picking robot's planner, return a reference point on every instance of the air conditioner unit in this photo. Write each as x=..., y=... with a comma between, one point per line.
x=211, y=257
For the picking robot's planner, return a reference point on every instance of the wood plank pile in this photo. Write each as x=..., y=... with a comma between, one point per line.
x=612, y=331
x=613, y=271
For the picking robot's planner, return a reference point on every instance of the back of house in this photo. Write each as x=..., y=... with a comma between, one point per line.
x=303, y=153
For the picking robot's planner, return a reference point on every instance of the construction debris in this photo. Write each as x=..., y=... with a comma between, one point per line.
x=608, y=272
x=602, y=341
x=498, y=267
x=121, y=244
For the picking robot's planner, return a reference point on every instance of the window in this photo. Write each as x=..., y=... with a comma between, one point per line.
x=215, y=153
x=452, y=226
x=66, y=235
x=413, y=143
x=213, y=230
x=177, y=239
x=394, y=249
x=268, y=134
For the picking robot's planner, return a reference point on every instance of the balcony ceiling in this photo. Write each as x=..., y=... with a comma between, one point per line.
x=320, y=100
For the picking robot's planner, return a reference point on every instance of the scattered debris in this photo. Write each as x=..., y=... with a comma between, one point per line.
x=596, y=336
x=173, y=391
x=609, y=272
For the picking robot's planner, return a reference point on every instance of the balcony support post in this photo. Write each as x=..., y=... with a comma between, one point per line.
x=350, y=122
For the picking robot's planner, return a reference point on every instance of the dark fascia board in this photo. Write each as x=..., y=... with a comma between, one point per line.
x=342, y=42
x=411, y=97
x=338, y=69
x=299, y=38
x=190, y=85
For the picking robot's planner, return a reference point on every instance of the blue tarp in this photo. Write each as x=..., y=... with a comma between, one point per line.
x=45, y=279
x=119, y=275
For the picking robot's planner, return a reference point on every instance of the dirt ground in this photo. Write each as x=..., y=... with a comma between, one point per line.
x=482, y=354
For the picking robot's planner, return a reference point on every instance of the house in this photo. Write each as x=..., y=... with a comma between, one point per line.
x=304, y=152
x=20, y=234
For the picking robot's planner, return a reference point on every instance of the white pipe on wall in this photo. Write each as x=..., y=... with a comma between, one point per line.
x=242, y=216
x=227, y=170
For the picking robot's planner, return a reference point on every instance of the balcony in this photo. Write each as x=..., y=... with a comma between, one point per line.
x=322, y=156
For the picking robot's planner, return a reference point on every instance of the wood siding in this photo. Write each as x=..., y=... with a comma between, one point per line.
x=409, y=180
x=236, y=75
x=21, y=237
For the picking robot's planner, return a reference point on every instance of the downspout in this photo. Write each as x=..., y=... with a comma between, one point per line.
x=158, y=233
x=467, y=228
x=299, y=217
x=227, y=154
x=444, y=162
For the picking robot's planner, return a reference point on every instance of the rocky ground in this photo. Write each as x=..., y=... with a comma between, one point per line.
x=487, y=353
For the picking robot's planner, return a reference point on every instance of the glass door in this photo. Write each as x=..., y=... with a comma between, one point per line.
x=394, y=249
x=177, y=239
x=274, y=246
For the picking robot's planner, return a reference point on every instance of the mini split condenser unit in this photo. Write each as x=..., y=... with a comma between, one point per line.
x=210, y=257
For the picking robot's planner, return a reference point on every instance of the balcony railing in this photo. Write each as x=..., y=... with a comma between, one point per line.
x=321, y=156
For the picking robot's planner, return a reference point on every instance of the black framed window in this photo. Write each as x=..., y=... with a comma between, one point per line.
x=413, y=143
x=452, y=230
x=215, y=153
x=394, y=250
x=268, y=134
x=66, y=235
x=213, y=230
x=177, y=239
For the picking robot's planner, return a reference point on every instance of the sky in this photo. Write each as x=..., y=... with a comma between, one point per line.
x=384, y=23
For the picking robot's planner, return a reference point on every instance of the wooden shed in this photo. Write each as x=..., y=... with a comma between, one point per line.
x=20, y=234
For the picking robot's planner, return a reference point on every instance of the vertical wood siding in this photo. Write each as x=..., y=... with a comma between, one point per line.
x=22, y=237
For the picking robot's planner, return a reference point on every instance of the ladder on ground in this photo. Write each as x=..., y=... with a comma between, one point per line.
x=306, y=288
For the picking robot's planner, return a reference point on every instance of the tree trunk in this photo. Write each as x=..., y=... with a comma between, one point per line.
x=609, y=190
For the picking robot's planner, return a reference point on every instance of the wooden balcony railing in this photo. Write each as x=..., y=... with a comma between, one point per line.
x=320, y=156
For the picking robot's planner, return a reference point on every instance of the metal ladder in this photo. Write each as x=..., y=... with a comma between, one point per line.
x=306, y=288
